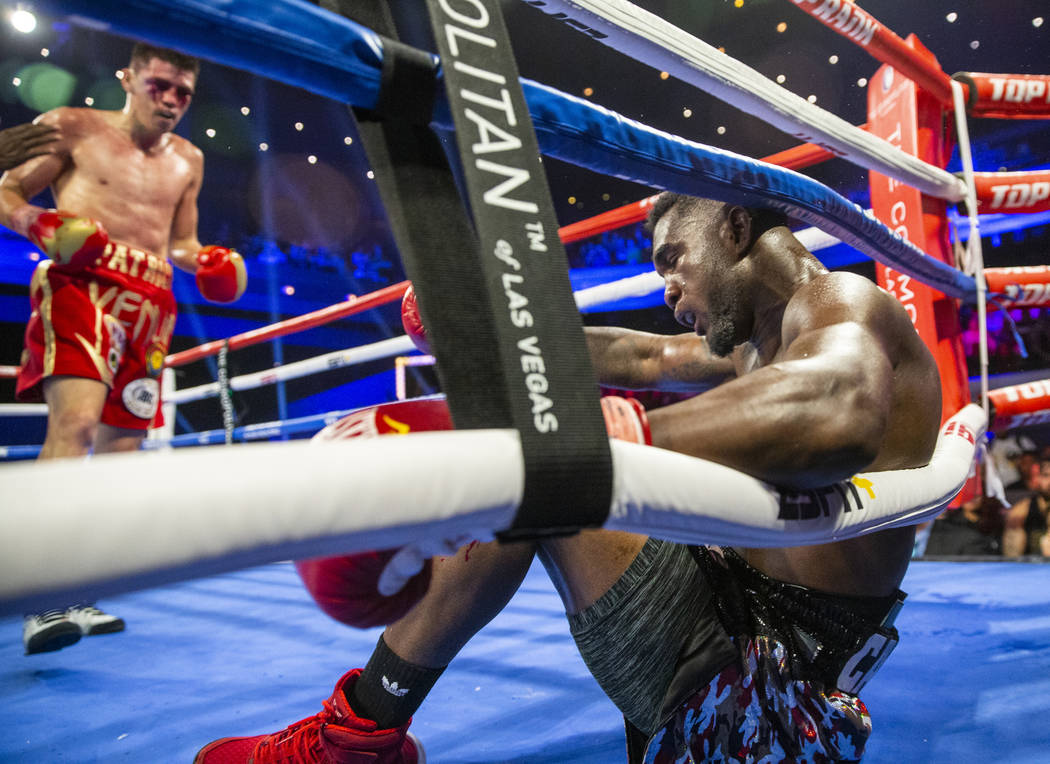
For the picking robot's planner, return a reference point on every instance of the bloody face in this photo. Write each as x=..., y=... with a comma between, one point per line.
x=159, y=93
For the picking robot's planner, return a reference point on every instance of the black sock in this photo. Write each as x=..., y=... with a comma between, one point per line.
x=390, y=689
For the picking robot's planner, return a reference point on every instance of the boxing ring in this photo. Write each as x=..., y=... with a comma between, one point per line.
x=249, y=651
x=220, y=525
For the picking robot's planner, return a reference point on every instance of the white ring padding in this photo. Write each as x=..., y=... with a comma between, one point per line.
x=677, y=497
x=650, y=40
x=74, y=530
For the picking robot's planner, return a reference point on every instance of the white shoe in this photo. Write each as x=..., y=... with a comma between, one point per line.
x=47, y=631
x=93, y=621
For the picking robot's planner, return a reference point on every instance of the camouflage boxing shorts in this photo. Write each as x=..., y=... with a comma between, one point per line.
x=756, y=712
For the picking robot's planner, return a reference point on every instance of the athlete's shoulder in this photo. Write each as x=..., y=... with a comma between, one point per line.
x=188, y=151
x=840, y=298
x=185, y=146
x=840, y=292
x=71, y=119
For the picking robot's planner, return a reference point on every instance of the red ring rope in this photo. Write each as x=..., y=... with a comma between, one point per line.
x=297, y=324
x=866, y=31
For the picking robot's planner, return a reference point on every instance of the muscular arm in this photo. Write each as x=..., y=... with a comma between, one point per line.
x=815, y=416
x=21, y=143
x=22, y=183
x=634, y=360
x=184, y=242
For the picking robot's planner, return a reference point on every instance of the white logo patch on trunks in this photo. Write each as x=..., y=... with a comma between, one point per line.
x=118, y=340
x=141, y=397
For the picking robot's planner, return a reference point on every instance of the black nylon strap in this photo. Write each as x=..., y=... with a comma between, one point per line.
x=546, y=368
x=409, y=83
x=495, y=296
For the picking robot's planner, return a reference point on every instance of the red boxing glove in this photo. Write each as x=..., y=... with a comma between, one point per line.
x=221, y=275
x=346, y=588
x=625, y=419
x=395, y=418
x=412, y=322
x=70, y=241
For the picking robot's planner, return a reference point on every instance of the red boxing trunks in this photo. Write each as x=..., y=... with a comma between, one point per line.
x=756, y=711
x=111, y=321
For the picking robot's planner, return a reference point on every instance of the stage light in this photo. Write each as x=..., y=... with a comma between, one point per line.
x=22, y=20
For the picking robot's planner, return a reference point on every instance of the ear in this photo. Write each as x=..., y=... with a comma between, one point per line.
x=125, y=79
x=739, y=220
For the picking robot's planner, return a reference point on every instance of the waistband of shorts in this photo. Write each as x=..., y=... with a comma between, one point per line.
x=131, y=264
x=823, y=632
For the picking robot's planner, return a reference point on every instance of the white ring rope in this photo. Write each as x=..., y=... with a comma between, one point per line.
x=267, y=502
x=975, y=254
x=650, y=40
x=335, y=360
x=23, y=409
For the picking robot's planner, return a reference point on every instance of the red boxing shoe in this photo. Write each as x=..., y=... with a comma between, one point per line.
x=334, y=736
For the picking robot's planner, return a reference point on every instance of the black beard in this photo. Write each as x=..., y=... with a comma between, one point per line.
x=721, y=336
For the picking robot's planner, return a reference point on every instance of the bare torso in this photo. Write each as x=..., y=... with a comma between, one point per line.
x=134, y=191
x=874, y=564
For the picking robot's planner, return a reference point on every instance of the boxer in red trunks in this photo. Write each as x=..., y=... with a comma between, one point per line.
x=102, y=309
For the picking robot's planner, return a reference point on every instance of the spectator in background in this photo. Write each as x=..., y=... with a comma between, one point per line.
x=1025, y=531
x=1022, y=487
x=972, y=530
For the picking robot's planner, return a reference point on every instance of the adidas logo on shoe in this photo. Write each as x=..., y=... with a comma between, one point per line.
x=393, y=689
